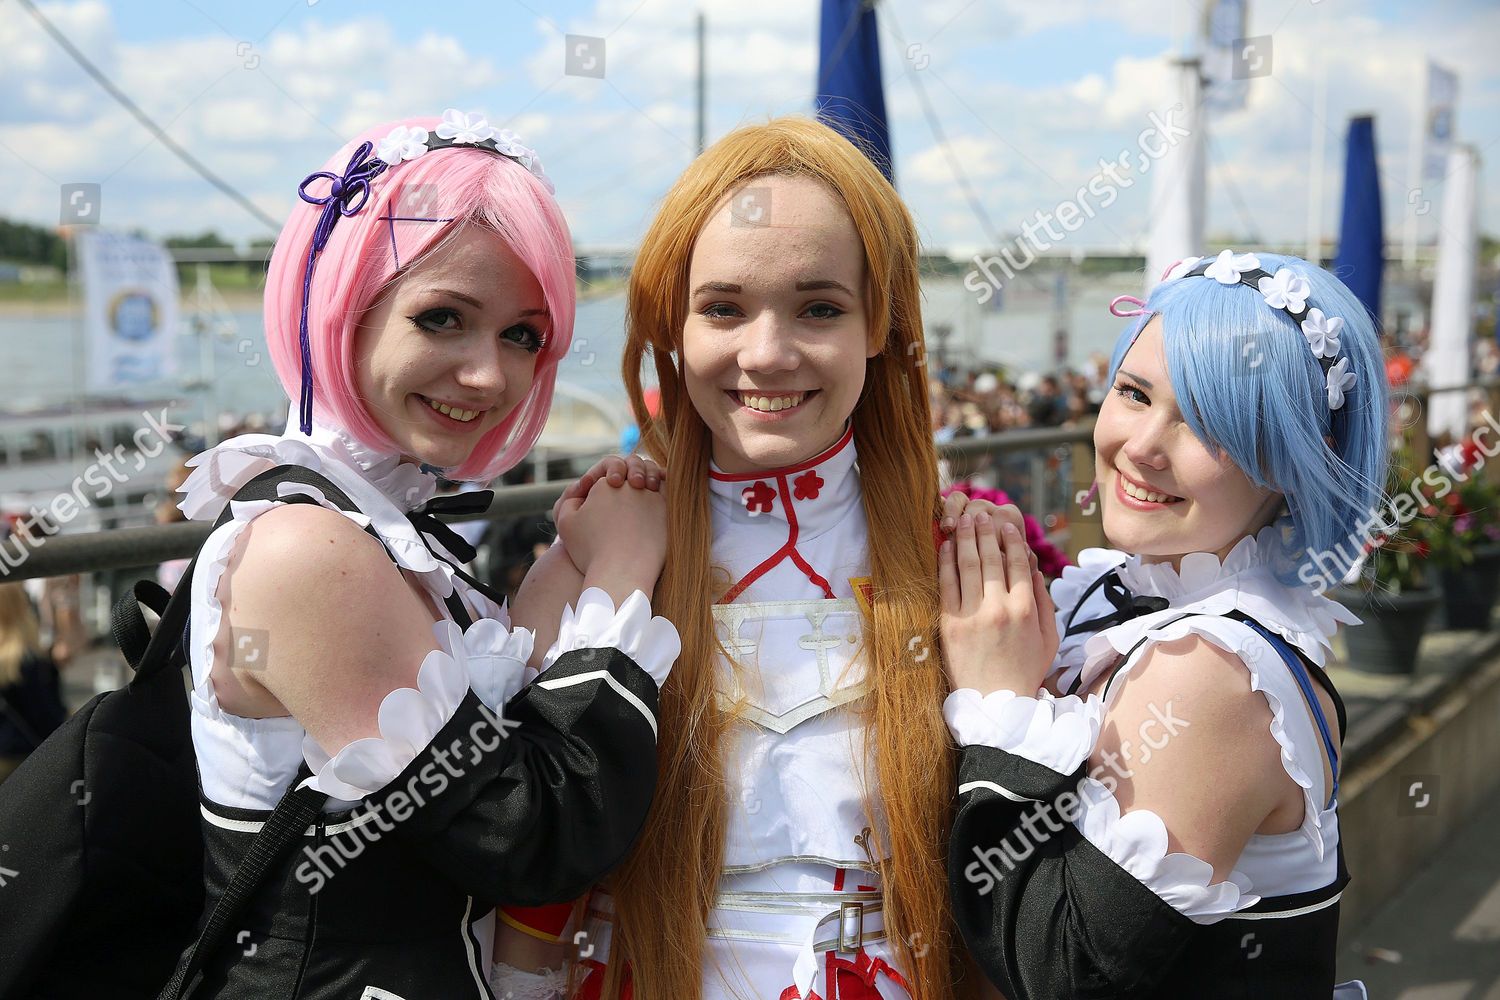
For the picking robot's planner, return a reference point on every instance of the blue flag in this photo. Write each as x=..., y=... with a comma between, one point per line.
x=850, y=96
x=1360, y=263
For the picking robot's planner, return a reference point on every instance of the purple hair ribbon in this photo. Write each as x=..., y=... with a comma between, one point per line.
x=346, y=196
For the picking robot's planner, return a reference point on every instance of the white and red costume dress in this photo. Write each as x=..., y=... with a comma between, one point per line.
x=799, y=908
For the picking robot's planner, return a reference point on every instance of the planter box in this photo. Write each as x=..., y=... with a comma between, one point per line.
x=1393, y=627
x=1469, y=591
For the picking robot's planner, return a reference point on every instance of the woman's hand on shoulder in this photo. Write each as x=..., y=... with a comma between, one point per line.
x=639, y=472
x=957, y=502
x=1189, y=740
x=617, y=537
x=319, y=618
x=997, y=622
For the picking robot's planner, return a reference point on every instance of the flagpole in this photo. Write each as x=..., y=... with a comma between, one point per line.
x=1319, y=164
x=702, y=82
x=1414, y=159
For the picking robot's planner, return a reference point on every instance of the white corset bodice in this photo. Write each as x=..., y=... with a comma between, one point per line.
x=797, y=768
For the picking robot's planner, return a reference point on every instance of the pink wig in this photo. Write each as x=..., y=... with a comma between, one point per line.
x=371, y=248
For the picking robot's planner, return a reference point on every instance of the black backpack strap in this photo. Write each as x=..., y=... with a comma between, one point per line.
x=128, y=625
x=296, y=811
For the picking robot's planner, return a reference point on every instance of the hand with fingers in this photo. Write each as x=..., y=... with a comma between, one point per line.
x=955, y=503
x=997, y=625
x=616, y=537
x=641, y=473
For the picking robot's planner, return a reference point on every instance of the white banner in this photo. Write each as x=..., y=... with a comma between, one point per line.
x=129, y=309
x=1448, y=358
x=1437, y=126
x=1179, y=186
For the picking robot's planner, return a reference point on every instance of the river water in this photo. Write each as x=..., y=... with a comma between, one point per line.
x=42, y=359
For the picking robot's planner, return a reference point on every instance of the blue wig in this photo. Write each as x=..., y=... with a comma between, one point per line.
x=1249, y=386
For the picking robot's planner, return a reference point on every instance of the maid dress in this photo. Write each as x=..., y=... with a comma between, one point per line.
x=798, y=914
x=488, y=782
x=1057, y=894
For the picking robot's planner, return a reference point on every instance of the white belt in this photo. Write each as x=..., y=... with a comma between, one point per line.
x=841, y=922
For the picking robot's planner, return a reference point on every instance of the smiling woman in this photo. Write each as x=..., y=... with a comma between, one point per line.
x=343, y=662
x=1168, y=720
x=776, y=337
x=804, y=766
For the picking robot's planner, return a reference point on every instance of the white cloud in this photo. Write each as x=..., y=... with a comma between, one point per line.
x=1026, y=138
x=261, y=115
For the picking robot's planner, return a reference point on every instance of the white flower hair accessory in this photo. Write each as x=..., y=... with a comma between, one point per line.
x=1340, y=381
x=1229, y=266
x=464, y=128
x=403, y=143
x=460, y=128
x=1322, y=333
x=1287, y=291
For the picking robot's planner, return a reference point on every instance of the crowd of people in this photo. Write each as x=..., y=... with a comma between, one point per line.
x=987, y=400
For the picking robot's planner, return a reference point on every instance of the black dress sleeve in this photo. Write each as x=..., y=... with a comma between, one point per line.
x=1046, y=914
x=534, y=805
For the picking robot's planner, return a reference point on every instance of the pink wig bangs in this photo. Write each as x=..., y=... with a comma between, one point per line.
x=412, y=208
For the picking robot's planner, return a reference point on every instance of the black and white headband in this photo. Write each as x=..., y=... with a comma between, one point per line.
x=1285, y=290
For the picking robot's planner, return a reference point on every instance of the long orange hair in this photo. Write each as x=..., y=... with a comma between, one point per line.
x=666, y=887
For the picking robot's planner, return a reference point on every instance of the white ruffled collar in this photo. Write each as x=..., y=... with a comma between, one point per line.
x=381, y=484
x=1245, y=580
x=1202, y=573
x=405, y=484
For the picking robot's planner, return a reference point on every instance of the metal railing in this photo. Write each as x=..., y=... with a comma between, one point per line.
x=125, y=548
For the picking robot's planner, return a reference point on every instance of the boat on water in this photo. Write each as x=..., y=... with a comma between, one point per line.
x=114, y=456
x=111, y=456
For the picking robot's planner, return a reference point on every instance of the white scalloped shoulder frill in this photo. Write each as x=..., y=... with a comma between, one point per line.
x=247, y=763
x=1199, y=593
x=1137, y=842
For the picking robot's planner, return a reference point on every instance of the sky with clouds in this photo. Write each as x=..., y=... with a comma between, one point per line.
x=1029, y=95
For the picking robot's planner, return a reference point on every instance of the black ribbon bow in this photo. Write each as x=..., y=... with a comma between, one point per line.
x=424, y=519
x=1127, y=605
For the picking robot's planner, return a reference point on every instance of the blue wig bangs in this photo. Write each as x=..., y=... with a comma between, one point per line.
x=1249, y=386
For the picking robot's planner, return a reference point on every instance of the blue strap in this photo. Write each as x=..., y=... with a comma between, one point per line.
x=1299, y=673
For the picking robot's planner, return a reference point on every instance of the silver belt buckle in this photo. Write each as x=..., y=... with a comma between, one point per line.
x=851, y=926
